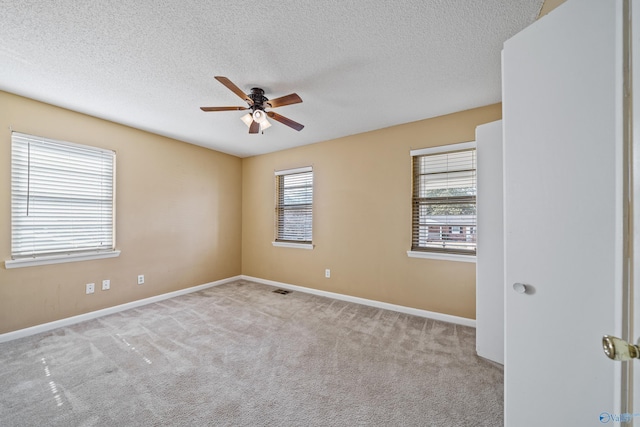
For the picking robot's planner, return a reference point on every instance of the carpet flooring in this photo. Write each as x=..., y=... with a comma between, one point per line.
x=241, y=355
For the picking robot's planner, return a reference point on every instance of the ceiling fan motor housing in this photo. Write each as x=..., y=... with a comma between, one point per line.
x=258, y=98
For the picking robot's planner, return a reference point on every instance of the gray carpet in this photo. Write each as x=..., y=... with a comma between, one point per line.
x=241, y=355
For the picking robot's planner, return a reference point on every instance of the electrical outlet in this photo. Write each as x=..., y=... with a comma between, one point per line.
x=106, y=285
x=140, y=279
x=90, y=288
x=327, y=273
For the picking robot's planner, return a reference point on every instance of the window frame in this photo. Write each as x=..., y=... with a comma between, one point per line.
x=435, y=253
x=291, y=243
x=48, y=152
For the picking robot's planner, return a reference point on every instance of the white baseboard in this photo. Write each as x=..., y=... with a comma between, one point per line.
x=378, y=304
x=21, y=333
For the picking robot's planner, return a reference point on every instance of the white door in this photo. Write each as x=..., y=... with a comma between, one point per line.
x=562, y=115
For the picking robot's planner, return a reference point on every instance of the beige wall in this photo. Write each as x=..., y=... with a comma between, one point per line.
x=548, y=6
x=178, y=218
x=361, y=219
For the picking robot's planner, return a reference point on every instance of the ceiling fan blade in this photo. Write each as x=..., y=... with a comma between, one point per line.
x=233, y=88
x=285, y=100
x=285, y=121
x=223, y=108
x=255, y=127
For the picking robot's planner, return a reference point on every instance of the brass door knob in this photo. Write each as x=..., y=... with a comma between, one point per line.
x=619, y=349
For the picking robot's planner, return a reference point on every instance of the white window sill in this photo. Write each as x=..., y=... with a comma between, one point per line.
x=441, y=256
x=58, y=259
x=293, y=245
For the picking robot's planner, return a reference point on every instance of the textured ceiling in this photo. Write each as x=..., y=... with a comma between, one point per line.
x=357, y=65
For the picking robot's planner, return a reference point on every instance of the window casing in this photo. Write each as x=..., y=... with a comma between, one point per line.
x=294, y=206
x=444, y=200
x=62, y=198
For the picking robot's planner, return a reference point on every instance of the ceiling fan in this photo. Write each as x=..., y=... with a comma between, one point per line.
x=257, y=119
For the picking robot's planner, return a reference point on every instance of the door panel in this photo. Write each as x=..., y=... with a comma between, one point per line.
x=490, y=257
x=562, y=83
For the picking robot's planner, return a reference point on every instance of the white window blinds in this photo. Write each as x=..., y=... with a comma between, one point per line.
x=444, y=202
x=62, y=197
x=294, y=205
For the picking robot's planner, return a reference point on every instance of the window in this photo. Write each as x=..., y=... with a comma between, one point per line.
x=444, y=199
x=62, y=201
x=294, y=207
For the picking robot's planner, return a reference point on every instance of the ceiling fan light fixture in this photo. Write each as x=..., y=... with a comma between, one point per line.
x=259, y=116
x=265, y=125
x=247, y=119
